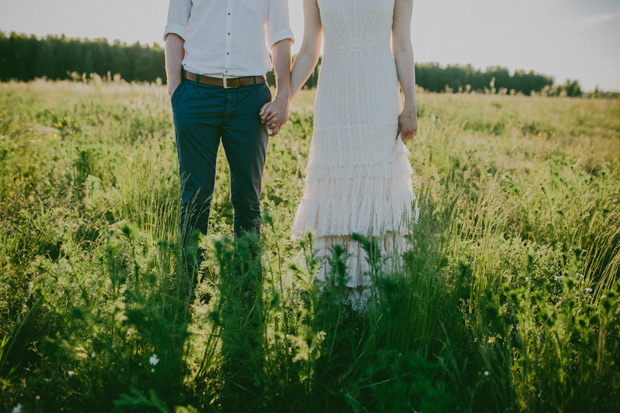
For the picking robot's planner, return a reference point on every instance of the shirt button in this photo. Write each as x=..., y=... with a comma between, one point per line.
x=229, y=13
x=228, y=53
x=229, y=33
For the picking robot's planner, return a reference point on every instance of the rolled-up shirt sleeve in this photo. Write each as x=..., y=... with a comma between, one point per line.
x=178, y=18
x=278, y=26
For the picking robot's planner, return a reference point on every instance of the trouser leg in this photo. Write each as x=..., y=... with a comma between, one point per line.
x=245, y=139
x=197, y=114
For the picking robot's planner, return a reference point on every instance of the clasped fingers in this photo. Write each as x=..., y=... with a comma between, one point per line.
x=274, y=114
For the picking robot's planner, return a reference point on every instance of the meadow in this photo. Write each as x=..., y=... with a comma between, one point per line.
x=507, y=299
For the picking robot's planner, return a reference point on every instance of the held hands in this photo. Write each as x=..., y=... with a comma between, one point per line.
x=408, y=123
x=274, y=114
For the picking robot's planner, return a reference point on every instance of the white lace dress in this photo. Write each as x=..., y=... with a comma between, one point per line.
x=358, y=177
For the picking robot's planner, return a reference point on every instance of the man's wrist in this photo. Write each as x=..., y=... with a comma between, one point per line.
x=283, y=94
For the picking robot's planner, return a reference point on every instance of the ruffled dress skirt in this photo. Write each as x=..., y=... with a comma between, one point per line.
x=358, y=180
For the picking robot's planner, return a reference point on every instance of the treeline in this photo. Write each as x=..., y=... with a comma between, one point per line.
x=435, y=78
x=56, y=57
x=25, y=57
x=466, y=79
x=495, y=79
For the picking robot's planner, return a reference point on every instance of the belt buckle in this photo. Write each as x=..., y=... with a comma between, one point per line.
x=225, y=83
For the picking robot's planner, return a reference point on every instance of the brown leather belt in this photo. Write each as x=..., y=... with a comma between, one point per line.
x=226, y=83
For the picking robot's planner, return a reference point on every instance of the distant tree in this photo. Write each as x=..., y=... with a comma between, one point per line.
x=570, y=88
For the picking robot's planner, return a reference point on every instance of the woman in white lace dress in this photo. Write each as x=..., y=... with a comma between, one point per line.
x=358, y=174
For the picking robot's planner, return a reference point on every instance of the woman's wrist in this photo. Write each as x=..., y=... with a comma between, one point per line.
x=411, y=108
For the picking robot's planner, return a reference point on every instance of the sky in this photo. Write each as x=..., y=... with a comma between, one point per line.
x=576, y=39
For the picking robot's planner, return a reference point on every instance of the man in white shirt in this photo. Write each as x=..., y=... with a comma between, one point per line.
x=216, y=60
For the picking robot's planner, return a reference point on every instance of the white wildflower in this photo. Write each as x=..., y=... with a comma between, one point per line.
x=92, y=355
x=486, y=373
x=17, y=409
x=579, y=275
x=557, y=278
x=70, y=372
x=589, y=289
x=154, y=360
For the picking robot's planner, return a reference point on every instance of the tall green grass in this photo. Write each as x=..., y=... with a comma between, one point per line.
x=507, y=298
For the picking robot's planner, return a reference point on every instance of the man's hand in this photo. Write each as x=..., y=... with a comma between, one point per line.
x=172, y=86
x=408, y=123
x=275, y=114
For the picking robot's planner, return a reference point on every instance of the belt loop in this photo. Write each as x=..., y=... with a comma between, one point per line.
x=254, y=79
x=197, y=80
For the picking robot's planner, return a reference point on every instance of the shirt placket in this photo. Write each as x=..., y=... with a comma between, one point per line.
x=228, y=51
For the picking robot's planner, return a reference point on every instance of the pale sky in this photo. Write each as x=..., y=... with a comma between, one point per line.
x=577, y=39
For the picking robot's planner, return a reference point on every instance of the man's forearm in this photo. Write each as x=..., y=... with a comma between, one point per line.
x=174, y=60
x=282, y=65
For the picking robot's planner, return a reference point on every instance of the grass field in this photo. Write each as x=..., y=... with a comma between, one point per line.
x=508, y=299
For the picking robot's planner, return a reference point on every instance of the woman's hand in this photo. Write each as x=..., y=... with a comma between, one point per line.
x=408, y=123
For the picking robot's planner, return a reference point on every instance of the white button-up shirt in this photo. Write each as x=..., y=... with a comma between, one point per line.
x=227, y=37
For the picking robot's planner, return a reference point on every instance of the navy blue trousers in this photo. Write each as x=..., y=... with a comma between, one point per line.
x=203, y=116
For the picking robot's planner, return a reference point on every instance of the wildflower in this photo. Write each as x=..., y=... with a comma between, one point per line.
x=17, y=409
x=579, y=275
x=486, y=373
x=92, y=355
x=70, y=372
x=154, y=360
x=589, y=289
x=557, y=278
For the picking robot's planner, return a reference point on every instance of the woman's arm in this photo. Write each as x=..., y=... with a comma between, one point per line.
x=403, y=55
x=308, y=55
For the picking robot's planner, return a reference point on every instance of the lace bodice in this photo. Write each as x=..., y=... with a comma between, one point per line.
x=358, y=75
